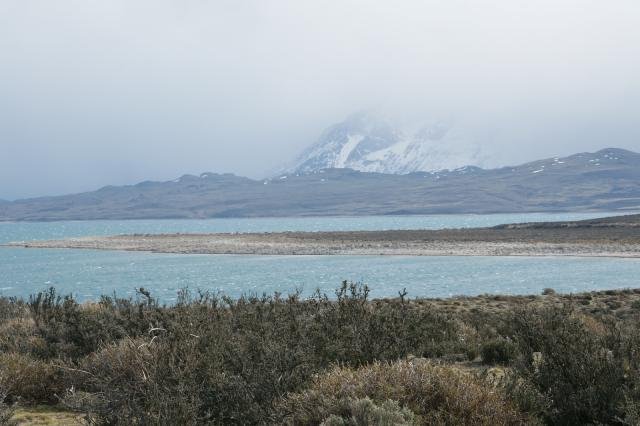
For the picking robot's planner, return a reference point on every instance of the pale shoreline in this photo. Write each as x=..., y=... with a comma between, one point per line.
x=383, y=243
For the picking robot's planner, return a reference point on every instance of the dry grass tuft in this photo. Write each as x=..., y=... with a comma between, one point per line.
x=436, y=394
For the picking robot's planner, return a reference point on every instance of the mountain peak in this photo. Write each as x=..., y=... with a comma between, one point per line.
x=616, y=152
x=368, y=143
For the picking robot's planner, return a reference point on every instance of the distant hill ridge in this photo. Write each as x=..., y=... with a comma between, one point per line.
x=602, y=181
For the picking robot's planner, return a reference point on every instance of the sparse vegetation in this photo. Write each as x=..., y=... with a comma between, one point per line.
x=342, y=360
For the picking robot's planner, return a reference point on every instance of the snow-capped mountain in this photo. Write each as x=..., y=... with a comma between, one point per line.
x=367, y=143
x=606, y=180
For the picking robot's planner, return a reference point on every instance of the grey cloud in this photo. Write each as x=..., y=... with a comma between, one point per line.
x=95, y=93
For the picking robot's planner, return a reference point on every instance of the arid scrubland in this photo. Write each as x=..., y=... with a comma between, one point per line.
x=340, y=360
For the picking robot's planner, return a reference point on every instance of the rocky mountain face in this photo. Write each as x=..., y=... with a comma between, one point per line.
x=366, y=143
x=603, y=181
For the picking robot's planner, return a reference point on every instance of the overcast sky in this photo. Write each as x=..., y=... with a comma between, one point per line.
x=96, y=92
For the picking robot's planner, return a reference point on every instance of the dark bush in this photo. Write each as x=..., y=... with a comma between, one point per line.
x=133, y=382
x=6, y=411
x=498, y=351
x=581, y=367
x=72, y=331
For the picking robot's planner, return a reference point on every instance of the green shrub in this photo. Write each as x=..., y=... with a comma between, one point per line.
x=133, y=382
x=525, y=395
x=498, y=351
x=71, y=330
x=6, y=411
x=29, y=380
x=580, y=367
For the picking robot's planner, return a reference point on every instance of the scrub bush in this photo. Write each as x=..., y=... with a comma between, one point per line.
x=6, y=411
x=586, y=369
x=364, y=412
x=228, y=361
x=498, y=351
x=29, y=380
x=71, y=330
x=210, y=359
x=436, y=395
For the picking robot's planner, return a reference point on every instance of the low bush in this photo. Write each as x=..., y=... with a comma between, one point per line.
x=6, y=414
x=6, y=411
x=138, y=382
x=528, y=398
x=498, y=351
x=11, y=308
x=585, y=369
x=29, y=380
x=437, y=395
x=72, y=331
x=20, y=335
x=364, y=412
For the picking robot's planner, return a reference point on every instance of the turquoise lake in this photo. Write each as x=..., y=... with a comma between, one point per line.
x=87, y=274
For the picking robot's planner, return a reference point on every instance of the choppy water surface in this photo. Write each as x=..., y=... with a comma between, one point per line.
x=88, y=274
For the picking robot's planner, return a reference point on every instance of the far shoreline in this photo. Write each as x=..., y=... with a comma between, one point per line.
x=609, y=213
x=532, y=254
x=617, y=236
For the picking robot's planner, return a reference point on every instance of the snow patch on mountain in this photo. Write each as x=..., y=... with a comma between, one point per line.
x=343, y=157
x=369, y=144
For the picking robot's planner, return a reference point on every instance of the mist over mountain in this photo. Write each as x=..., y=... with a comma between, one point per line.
x=116, y=92
x=368, y=143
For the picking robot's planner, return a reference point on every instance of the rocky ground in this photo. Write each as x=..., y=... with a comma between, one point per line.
x=615, y=237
